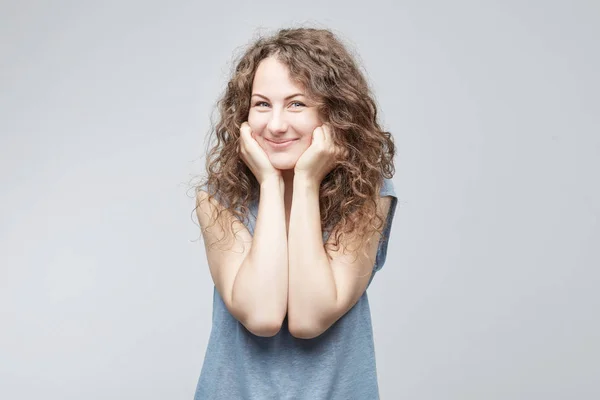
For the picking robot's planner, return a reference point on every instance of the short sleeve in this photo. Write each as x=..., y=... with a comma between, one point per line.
x=211, y=190
x=249, y=220
x=386, y=190
x=205, y=188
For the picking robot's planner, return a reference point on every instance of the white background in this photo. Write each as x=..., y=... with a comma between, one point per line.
x=490, y=290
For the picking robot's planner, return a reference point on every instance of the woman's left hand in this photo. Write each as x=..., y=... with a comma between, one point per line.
x=320, y=157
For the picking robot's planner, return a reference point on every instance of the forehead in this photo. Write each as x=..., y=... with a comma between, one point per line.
x=272, y=78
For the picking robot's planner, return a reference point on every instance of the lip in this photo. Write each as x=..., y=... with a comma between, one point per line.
x=280, y=145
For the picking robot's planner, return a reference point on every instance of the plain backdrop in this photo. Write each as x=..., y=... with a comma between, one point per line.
x=490, y=289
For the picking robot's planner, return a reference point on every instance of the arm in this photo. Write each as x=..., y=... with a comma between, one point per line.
x=252, y=280
x=322, y=291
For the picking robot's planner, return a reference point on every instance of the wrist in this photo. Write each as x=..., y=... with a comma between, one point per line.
x=273, y=181
x=302, y=180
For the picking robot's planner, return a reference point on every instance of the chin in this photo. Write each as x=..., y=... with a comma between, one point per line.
x=283, y=161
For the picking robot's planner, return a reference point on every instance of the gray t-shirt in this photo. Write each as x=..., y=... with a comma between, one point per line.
x=337, y=365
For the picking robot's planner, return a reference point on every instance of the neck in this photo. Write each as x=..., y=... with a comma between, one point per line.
x=288, y=177
x=288, y=180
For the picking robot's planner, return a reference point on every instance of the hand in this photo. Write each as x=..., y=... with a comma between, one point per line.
x=321, y=156
x=254, y=156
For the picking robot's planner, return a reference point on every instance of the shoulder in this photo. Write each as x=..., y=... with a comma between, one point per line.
x=209, y=208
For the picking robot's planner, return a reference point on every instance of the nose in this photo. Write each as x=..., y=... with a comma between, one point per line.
x=277, y=123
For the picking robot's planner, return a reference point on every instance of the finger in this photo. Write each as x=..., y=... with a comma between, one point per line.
x=323, y=135
x=314, y=138
x=329, y=142
x=245, y=129
x=245, y=137
x=317, y=135
x=327, y=131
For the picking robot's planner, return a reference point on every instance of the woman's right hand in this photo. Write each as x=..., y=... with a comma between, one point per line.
x=255, y=157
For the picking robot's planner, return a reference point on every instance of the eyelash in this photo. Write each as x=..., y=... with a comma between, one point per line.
x=259, y=103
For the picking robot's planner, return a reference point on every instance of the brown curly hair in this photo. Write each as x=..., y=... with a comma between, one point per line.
x=319, y=62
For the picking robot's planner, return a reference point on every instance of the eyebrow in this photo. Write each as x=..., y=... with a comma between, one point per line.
x=287, y=98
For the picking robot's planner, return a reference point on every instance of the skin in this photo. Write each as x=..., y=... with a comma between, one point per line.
x=280, y=110
x=285, y=271
x=315, y=291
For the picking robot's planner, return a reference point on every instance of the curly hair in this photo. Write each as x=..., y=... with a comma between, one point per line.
x=320, y=63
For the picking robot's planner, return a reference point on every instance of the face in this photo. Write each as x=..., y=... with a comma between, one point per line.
x=281, y=112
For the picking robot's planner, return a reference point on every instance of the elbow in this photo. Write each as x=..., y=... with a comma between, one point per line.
x=309, y=324
x=306, y=329
x=259, y=322
x=264, y=327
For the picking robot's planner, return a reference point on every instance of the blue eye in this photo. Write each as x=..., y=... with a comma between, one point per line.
x=297, y=103
x=261, y=104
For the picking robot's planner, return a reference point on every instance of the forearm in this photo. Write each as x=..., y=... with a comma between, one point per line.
x=260, y=288
x=312, y=290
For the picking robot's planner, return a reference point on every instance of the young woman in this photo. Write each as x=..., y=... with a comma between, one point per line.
x=295, y=214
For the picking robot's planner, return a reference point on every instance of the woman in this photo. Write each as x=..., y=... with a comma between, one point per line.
x=295, y=213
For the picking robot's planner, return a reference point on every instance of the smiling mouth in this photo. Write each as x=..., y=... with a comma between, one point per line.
x=280, y=145
x=282, y=142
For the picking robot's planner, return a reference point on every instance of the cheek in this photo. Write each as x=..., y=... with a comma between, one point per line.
x=257, y=122
x=303, y=145
x=307, y=133
x=306, y=123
